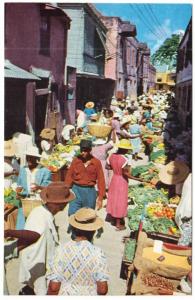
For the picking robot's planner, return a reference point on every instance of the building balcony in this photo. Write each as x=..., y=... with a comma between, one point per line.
x=127, y=29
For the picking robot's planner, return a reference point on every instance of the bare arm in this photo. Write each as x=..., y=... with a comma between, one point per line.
x=25, y=237
x=127, y=173
x=53, y=288
x=102, y=287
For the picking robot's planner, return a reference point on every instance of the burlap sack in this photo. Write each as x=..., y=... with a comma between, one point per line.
x=140, y=288
x=148, y=265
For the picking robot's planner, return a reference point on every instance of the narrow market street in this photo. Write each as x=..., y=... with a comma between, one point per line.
x=111, y=241
x=98, y=149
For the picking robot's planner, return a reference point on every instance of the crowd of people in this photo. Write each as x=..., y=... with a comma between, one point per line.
x=99, y=168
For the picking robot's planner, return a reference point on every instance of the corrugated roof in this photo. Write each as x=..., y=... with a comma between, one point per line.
x=13, y=71
x=40, y=72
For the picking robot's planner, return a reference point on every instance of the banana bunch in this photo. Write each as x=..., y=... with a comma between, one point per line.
x=7, y=192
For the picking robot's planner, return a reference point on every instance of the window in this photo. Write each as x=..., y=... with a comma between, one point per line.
x=45, y=35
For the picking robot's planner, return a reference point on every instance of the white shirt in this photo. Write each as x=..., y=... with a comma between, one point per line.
x=7, y=180
x=40, y=253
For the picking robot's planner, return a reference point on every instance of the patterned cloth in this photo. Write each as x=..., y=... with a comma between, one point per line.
x=78, y=266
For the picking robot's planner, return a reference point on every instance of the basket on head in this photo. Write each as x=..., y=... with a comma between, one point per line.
x=99, y=130
x=28, y=205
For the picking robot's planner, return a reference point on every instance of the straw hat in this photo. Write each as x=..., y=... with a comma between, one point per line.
x=125, y=120
x=174, y=172
x=124, y=144
x=47, y=133
x=9, y=148
x=86, y=219
x=57, y=192
x=89, y=105
x=33, y=151
x=99, y=141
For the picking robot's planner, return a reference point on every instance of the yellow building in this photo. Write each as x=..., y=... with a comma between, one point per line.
x=165, y=80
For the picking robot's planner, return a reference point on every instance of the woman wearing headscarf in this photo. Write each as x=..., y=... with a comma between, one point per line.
x=79, y=268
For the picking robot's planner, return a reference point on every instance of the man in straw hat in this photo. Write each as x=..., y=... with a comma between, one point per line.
x=83, y=174
x=78, y=267
x=39, y=238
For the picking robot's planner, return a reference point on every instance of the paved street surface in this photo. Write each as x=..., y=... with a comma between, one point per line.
x=110, y=242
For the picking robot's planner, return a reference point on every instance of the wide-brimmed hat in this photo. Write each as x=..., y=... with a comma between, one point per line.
x=89, y=104
x=9, y=148
x=124, y=144
x=57, y=192
x=133, y=120
x=47, y=133
x=86, y=219
x=174, y=172
x=32, y=151
x=100, y=141
x=125, y=120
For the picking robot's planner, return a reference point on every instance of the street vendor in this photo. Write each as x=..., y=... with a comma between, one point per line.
x=147, y=117
x=89, y=109
x=174, y=174
x=118, y=189
x=39, y=237
x=83, y=174
x=67, y=134
x=47, y=135
x=31, y=178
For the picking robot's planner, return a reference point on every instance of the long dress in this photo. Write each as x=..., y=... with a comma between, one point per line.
x=136, y=142
x=118, y=190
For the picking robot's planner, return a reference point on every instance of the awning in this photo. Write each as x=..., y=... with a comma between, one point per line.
x=89, y=75
x=12, y=71
x=40, y=72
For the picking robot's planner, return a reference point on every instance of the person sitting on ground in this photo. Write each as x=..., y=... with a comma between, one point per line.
x=79, y=268
x=38, y=239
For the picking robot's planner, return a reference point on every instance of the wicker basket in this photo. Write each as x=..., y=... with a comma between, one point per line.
x=28, y=205
x=99, y=130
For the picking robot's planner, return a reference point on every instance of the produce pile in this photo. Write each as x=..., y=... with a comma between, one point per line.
x=153, y=205
x=58, y=158
x=155, y=280
x=129, y=252
x=10, y=198
x=158, y=156
x=145, y=172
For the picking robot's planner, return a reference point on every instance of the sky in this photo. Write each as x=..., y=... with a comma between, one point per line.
x=154, y=22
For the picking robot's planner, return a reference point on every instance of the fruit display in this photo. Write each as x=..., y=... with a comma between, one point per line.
x=175, y=200
x=155, y=280
x=158, y=157
x=158, y=210
x=10, y=198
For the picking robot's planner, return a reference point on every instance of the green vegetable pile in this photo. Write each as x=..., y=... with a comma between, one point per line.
x=134, y=216
x=146, y=172
x=129, y=251
x=10, y=198
x=157, y=154
x=161, y=225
